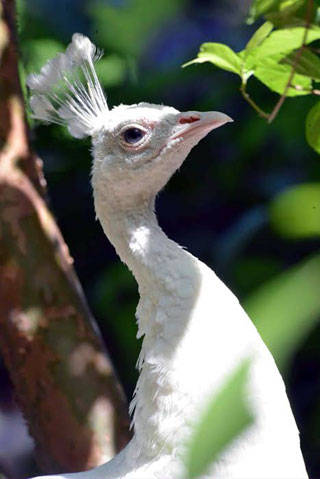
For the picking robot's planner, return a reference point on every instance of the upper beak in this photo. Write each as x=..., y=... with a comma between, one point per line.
x=194, y=124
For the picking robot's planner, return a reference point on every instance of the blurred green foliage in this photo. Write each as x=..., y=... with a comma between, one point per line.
x=226, y=417
x=111, y=69
x=296, y=211
x=287, y=308
x=39, y=50
x=313, y=127
x=129, y=25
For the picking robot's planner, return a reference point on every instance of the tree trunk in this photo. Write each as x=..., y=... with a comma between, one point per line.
x=64, y=382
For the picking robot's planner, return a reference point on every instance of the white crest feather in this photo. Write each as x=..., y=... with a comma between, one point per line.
x=67, y=90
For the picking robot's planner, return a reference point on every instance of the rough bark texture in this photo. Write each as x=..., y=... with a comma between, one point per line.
x=64, y=382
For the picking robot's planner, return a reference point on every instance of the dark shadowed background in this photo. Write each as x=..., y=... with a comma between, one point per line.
x=219, y=206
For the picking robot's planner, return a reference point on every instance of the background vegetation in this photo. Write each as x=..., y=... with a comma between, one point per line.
x=247, y=201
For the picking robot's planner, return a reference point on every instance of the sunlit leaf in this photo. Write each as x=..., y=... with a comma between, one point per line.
x=285, y=41
x=220, y=55
x=262, y=57
x=296, y=211
x=247, y=55
x=224, y=419
x=313, y=127
x=290, y=5
x=286, y=308
x=278, y=45
x=308, y=64
x=259, y=36
x=276, y=75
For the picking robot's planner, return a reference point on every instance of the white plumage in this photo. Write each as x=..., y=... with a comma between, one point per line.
x=194, y=330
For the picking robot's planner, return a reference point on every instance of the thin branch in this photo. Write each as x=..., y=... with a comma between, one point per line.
x=312, y=91
x=251, y=102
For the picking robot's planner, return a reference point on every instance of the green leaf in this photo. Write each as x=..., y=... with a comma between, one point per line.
x=273, y=9
x=259, y=36
x=285, y=41
x=225, y=418
x=276, y=75
x=220, y=55
x=286, y=22
x=280, y=42
x=308, y=65
x=290, y=13
x=313, y=127
x=296, y=212
x=247, y=55
x=286, y=308
x=290, y=5
x=259, y=7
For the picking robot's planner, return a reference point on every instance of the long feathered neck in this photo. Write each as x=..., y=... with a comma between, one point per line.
x=169, y=282
x=140, y=243
x=167, y=276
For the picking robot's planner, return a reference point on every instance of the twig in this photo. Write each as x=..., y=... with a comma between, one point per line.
x=282, y=99
x=313, y=91
x=256, y=107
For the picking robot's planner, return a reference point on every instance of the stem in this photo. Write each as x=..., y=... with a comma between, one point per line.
x=251, y=102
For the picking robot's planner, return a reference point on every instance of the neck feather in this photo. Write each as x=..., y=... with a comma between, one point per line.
x=137, y=238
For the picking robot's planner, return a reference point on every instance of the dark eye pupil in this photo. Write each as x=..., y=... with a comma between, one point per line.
x=133, y=135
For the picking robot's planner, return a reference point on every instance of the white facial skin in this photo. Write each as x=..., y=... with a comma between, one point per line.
x=141, y=146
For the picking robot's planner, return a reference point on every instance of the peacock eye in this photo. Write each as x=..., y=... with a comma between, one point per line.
x=133, y=135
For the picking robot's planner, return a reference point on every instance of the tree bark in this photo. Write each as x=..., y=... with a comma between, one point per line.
x=64, y=381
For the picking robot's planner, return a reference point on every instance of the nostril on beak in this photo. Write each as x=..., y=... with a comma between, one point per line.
x=189, y=119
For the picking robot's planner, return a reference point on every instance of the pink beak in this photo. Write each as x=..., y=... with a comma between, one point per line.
x=194, y=124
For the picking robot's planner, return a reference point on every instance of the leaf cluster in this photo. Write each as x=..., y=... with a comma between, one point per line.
x=282, y=54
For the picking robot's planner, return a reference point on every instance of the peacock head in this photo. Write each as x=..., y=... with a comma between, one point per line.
x=136, y=148
x=140, y=146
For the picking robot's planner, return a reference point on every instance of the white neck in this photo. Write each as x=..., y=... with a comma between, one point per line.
x=168, y=285
x=135, y=233
x=154, y=259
